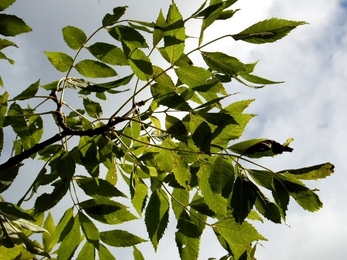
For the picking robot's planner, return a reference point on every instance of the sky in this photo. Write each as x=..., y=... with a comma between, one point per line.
x=311, y=106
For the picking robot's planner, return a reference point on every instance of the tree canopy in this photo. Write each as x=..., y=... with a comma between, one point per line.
x=174, y=141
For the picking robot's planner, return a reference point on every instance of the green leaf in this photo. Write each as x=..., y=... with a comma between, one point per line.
x=224, y=134
x=94, y=69
x=157, y=216
x=74, y=37
x=87, y=252
x=5, y=4
x=108, y=53
x=238, y=237
x=201, y=133
x=4, y=57
x=6, y=43
x=222, y=176
x=175, y=128
x=13, y=210
x=211, y=13
x=104, y=253
x=11, y=25
x=215, y=201
x=63, y=228
x=7, y=177
x=47, y=201
x=258, y=80
x=29, y=92
x=70, y=243
x=128, y=35
x=267, y=208
x=137, y=254
x=242, y=198
x=96, y=187
x=310, y=173
x=89, y=155
x=139, y=62
x=106, y=211
x=61, y=61
x=139, y=193
x=223, y=63
x=158, y=33
x=47, y=238
x=179, y=201
x=305, y=197
x=110, y=19
x=262, y=178
x=281, y=196
x=174, y=34
x=181, y=171
x=193, y=76
x=92, y=108
x=187, y=238
x=120, y=238
x=267, y=31
x=88, y=227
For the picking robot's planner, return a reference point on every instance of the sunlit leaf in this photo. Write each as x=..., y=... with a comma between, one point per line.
x=128, y=35
x=158, y=33
x=104, y=253
x=92, y=108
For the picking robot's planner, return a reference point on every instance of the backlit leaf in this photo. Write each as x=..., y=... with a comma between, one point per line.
x=243, y=198
x=110, y=19
x=128, y=35
x=11, y=25
x=29, y=92
x=108, y=53
x=88, y=227
x=74, y=37
x=92, y=108
x=157, y=216
x=120, y=238
x=239, y=237
x=223, y=63
x=87, y=252
x=215, y=201
x=94, y=69
x=174, y=34
x=5, y=4
x=187, y=238
x=70, y=243
x=267, y=31
x=98, y=187
x=106, y=211
x=61, y=61
x=310, y=173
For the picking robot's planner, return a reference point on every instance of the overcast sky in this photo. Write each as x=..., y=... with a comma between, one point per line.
x=311, y=106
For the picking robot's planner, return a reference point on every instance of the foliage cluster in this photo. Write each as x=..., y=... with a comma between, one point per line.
x=175, y=150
